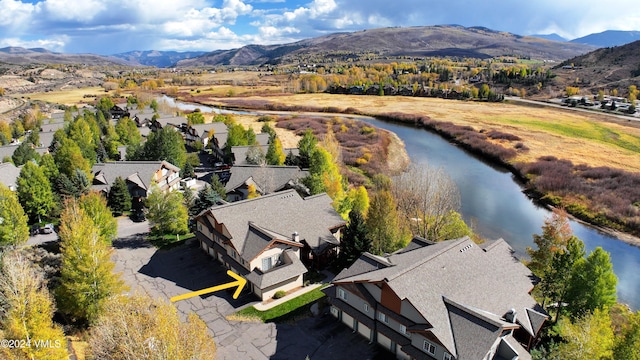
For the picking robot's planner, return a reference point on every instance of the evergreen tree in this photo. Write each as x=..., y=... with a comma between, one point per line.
x=207, y=197
x=34, y=192
x=355, y=239
x=119, y=197
x=28, y=311
x=75, y=185
x=306, y=145
x=218, y=187
x=13, y=227
x=86, y=276
x=23, y=153
x=593, y=284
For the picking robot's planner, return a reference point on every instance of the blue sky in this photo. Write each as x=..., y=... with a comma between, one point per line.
x=114, y=26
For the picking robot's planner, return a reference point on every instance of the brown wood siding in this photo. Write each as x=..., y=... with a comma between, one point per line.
x=390, y=300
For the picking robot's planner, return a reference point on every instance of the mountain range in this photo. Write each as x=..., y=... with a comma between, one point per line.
x=440, y=40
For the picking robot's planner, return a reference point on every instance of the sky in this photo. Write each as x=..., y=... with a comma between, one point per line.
x=115, y=26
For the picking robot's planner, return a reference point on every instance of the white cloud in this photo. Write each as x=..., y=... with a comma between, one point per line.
x=81, y=11
x=15, y=14
x=53, y=44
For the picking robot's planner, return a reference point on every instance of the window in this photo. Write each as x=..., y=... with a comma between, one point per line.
x=403, y=329
x=233, y=254
x=383, y=317
x=446, y=356
x=429, y=348
x=342, y=294
x=266, y=264
x=366, y=307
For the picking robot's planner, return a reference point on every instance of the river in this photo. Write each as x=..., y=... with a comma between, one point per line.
x=493, y=202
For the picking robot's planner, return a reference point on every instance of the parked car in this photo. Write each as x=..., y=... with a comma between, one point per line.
x=35, y=230
x=47, y=229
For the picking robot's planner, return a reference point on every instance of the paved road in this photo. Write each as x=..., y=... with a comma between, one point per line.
x=166, y=273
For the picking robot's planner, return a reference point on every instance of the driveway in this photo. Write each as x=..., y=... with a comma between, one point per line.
x=184, y=268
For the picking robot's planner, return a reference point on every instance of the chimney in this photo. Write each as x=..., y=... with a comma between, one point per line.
x=510, y=316
x=295, y=236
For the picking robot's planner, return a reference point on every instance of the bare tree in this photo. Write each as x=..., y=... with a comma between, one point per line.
x=426, y=198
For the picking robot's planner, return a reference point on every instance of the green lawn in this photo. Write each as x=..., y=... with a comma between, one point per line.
x=169, y=240
x=291, y=308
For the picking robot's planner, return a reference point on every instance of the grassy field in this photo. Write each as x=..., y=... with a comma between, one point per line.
x=68, y=97
x=591, y=139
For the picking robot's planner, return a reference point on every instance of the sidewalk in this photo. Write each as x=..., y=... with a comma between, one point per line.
x=261, y=306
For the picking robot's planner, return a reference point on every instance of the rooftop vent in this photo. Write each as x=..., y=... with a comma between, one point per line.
x=466, y=248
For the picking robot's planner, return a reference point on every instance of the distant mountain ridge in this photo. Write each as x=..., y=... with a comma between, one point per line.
x=610, y=67
x=157, y=58
x=22, y=56
x=552, y=37
x=609, y=38
x=440, y=40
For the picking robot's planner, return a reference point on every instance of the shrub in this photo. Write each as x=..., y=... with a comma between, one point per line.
x=279, y=294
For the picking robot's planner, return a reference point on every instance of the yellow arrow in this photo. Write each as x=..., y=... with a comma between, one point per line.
x=240, y=283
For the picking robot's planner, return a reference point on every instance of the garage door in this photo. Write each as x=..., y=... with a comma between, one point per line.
x=347, y=319
x=364, y=331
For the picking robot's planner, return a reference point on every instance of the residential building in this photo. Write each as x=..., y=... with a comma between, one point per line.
x=266, y=179
x=9, y=175
x=139, y=176
x=200, y=133
x=267, y=239
x=448, y=300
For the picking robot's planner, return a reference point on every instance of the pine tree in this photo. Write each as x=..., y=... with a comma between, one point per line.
x=86, y=275
x=218, y=187
x=119, y=197
x=28, y=311
x=306, y=145
x=355, y=240
x=207, y=197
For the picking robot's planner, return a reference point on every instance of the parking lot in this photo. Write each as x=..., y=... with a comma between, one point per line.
x=185, y=268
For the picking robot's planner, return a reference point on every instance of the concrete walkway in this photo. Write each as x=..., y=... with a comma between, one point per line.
x=262, y=306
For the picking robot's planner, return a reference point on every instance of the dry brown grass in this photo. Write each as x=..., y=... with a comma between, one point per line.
x=534, y=125
x=288, y=138
x=68, y=97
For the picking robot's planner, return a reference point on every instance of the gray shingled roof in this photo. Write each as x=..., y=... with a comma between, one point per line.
x=291, y=268
x=139, y=172
x=7, y=150
x=268, y=179
x=492, y=280
x=283, y=213
x=9, y=174
x=217, y=127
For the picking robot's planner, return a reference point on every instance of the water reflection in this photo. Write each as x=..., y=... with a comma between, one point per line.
x=493, y=203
